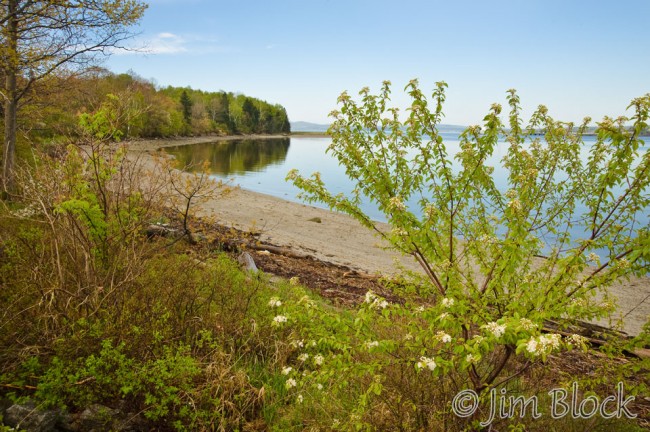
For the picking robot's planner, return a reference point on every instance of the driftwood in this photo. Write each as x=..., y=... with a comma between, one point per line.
x=158, y=230
x=278, y=250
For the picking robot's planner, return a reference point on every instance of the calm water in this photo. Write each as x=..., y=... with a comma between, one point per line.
x=262, y=165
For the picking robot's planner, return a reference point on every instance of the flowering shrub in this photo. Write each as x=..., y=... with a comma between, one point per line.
x=484, y=295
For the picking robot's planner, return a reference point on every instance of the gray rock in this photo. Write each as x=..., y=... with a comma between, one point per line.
x=97, y=418
x=27, y=417
x=247, y=262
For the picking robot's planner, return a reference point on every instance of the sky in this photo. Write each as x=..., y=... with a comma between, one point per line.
x=579, y=58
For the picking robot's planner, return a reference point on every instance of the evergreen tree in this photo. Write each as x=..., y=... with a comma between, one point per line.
x=186, y=103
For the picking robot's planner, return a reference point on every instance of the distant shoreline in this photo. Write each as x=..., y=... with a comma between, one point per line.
x=149, y=145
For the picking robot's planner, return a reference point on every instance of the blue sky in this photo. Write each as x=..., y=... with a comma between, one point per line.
x=578, y=58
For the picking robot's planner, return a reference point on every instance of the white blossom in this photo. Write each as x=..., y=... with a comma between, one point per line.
x=515, y=205
x=471, y=358
x=543, y=344
x=594, y=258
x=397, y=204
x=303, y=357
x=297, y=343
x=576, y=339
x=319, y=386
x=496, y=329
x=318, y=359
x=280, y=319
x=527, y=324
x=447, y=302
x=299, y=399
x=375, y=301
x=426, y=362
x=531, y=346
x=275, y=302
x=287, y=370
x=290, y=383
x=623, y=263
x=443, y=337
x=371, y=344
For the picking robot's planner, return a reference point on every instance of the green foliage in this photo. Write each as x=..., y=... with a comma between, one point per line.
x=483, y=297
x=123, y=106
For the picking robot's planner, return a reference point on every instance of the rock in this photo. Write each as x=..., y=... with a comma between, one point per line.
x=97, y=418
x=247, y=261
x=315, y=219
x=28, y=418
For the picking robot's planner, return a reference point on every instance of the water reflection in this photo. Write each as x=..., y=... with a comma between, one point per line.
x=233, y=157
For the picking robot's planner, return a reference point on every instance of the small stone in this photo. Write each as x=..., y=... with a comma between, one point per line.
x=27, y=417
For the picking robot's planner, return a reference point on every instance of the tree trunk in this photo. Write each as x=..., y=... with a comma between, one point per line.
x=11, y=101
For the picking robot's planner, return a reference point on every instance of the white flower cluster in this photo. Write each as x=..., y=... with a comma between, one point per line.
x=496, y=329
x=426, y=362
x=400, y=232
x=577, y=340
x=471, y=358
x=290, y=383
x=443, y=337
x=431, y=210
x=287, y=370
x=511, y=194
x=609, y=306
x=24, y=212
x=623, y=263
x=527, y=324
x=279, y=319
x=578, y=302
x=318, y=359
x=543, y=344
x=593, y=258
x=515, y=205
x=447, y=302
x=375, y=301
x=487, y=239
x=371, y=344
x=297, y=343
x=397, y=204
x=303, y=357
x=275, y=302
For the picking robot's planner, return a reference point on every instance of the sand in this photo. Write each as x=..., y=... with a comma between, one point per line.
x=340, y=239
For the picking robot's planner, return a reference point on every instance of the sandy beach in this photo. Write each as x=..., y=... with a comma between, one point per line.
x=341, y=240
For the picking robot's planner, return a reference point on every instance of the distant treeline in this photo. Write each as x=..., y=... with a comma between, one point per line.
x=139, y=109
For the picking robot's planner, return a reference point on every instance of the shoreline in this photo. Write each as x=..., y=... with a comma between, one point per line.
x=149, y=145
x=339, y=239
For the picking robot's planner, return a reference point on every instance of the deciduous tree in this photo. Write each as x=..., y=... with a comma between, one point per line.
x=40, y=38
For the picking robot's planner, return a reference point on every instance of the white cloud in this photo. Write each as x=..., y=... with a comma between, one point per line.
x=167, y=43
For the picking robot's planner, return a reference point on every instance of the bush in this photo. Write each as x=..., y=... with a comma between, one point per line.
x=475, y=317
